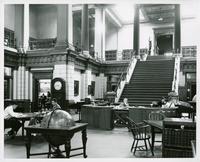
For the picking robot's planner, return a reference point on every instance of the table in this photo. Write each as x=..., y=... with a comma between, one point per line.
x=27, y=116
x=68, y=132
x=154, y=124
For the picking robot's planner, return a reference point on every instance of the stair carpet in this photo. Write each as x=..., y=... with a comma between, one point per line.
x=150, y=81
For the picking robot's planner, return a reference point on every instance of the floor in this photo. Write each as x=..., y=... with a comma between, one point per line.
x=101, y=144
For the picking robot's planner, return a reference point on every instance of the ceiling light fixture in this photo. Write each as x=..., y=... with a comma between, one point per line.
x=160, y=17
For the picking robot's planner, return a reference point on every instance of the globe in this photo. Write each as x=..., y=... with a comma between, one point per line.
x=57, y=119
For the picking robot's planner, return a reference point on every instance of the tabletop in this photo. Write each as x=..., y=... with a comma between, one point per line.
x=155, y=123
x=38, y=128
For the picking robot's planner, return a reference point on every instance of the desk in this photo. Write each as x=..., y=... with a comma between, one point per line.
x=154, y=124
x=28, y=116
x=68, y=132
x=99, y=117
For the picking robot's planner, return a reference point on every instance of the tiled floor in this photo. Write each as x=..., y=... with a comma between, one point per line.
x=101, y=144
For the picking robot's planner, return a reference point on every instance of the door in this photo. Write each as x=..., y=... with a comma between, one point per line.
x=164, y=44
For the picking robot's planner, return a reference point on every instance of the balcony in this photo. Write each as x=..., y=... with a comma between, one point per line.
x=9, y=38
x=35, y=44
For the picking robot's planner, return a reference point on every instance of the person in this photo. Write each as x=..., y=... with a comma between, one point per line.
x=48, y=94
x=10, y=120
x=172, y=100
x=43, y=100
x=55, y=104
x=194, y=98
x=124, y=103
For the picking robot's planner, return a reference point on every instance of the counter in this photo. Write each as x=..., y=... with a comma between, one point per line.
x=97, y=116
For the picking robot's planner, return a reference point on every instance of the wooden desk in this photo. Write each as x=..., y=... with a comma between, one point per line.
x=68, y=132
x=154, y=124
x=27, y=116
x=99, y=117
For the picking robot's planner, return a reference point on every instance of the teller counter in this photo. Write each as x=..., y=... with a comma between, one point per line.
x=97, y=116
x=138, y=114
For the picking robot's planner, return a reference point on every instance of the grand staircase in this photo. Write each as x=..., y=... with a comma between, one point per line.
x=150, y=81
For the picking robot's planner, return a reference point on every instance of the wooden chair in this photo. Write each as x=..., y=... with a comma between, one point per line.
x=140, y=132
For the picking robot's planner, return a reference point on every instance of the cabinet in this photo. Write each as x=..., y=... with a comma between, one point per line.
x=177, y=136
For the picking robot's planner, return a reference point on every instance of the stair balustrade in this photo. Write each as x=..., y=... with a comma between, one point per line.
x=176, y=73
x=124, y=79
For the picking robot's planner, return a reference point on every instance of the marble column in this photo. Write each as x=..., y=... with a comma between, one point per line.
x=19, y=25
x=177, y=23
x=136, y=33
x=26, y=27
x=85, y=29
x=99, y=46
x=64, y=26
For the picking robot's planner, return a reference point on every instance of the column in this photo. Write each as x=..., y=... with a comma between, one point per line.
x=19, y=25
x=85, y=29
x=15, y=90
x=177, y=41
x=88, y=77
x=64, y=26
x=99, y=43
x=26, y=27
x=66, y=72
x=136, y=33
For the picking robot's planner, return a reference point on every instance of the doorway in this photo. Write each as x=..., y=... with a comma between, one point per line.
x=41, y=87
x=164, y=44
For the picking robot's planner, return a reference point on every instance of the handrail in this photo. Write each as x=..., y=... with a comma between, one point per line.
x=122, y=81
x=176, y=73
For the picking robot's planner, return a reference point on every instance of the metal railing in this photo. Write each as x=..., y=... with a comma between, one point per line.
x=125, y=79
x=41, y=43
x=176, y=73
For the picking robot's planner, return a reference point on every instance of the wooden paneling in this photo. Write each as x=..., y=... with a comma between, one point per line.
x=97, y=116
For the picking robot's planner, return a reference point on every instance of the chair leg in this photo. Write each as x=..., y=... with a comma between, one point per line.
x=151, y=148
x=133, y=145
x=146, y=145
x=49, y=153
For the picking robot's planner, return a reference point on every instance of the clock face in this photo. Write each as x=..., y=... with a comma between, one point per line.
x=57, y=85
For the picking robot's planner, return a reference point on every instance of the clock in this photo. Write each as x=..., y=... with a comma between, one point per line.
x=57, y=85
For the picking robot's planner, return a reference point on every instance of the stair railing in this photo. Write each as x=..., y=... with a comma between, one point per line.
x=175, y=81
x=125, y=79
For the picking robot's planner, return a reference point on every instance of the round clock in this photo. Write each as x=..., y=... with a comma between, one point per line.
x=57, y=85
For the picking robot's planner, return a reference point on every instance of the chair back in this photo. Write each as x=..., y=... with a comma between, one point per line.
x=139, y=130
x=156, y=116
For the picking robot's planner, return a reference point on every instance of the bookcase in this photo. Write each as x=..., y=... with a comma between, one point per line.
x=177, y=136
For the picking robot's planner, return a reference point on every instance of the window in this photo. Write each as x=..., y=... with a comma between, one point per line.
x=8, y=83
x=76, y=88
x=89, y=89
x=92, y=88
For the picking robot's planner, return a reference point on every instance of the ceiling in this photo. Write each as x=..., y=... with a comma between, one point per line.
x=158, y=13
x=154, y=13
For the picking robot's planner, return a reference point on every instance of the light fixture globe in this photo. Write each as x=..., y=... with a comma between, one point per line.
x=55, y=120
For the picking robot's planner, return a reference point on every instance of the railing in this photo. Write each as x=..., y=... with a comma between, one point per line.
x=125, y=79
x=41, y=43
x=9, y=38
x=189, y=51
x=176, y=73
